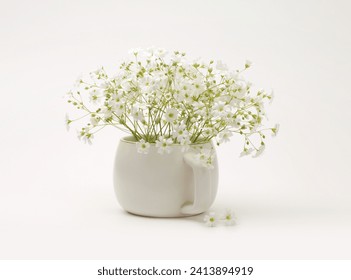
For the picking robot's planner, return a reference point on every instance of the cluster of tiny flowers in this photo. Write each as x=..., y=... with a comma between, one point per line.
x=165, y=98
x=227, y=218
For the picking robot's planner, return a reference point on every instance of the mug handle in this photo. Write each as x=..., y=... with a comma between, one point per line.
x=203, y=187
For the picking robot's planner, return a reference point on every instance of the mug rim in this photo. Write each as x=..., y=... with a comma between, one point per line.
x=131, y=140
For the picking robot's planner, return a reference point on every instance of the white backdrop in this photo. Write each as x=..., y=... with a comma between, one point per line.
x=56, y=194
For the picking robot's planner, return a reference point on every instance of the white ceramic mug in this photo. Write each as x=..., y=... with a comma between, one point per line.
x=168, y=185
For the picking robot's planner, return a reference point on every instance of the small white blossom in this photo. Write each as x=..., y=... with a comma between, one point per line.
x=246, y=152
x=176, y=58
x=95, y=97
x=163, y=145
x=97, y=71
x=160, y=52
x=220, y=109
x=224, y=136
x=221, y=66
x=210, y=219
x=205, y=157
x=67, y=122
x=135, y=51
x=94, y=120
x=259, y=151
x=119, y=109
x=185, y=143
x=228, y=217
x=143, y=147
x=248, y=63
x=171, y=115
x=85, y=135
x=78, y=81
x=180, y=132
x=275, y=129
x=271, y=97
x=137, y=114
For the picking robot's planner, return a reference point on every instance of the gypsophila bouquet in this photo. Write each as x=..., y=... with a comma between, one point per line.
x=165, y=98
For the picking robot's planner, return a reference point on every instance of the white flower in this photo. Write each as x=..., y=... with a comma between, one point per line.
x=126, y=85
x=160, y=52
x=137, y=113
x=85, y=136
x=220, y=109
x=228, y=217
x=275, y=129
x=95, y=96
x=163, y=145
x=180, y=132
x=221, y=66
x=198, y=87
x=210, y=219
x=78, y=81
x=103, y=84
x=209, y=132
x=205, y=157
x=224, y=136
x=67, y=122
x=248, y=63
x=143, y=147
x=246, y=152
x=150, y=52
x=97, y=71
x=176, y=58
x=119, y=109
x=135, y=51
x=185, y=142
x=107, y=112
x=271, y=97
x=171, y=115
x=94, y=120
x=259, y=151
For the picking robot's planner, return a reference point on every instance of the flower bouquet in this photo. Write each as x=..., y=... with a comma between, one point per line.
x=165, y=100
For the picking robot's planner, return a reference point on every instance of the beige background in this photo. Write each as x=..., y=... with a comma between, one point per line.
x=56, y=196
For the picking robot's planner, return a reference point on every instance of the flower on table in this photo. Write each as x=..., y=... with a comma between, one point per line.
x=143, y=147
x=210, y=219
x=228, y=217
x=163, y=144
